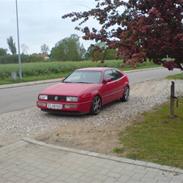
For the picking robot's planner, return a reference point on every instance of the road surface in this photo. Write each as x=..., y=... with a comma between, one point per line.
x=13, y=99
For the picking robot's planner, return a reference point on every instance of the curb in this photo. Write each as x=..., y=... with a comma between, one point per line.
x=6, y=86
x=140, y=70
x=107, y=157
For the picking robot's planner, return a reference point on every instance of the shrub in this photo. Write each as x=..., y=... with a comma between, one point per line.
x=10, y=59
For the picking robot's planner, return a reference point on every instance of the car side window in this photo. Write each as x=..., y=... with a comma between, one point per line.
x=116, y=74
x=108, y=75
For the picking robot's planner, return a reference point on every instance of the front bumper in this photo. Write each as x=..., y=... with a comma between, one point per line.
x=81, y=107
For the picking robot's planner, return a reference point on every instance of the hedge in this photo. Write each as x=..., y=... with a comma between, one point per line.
x=11, y=59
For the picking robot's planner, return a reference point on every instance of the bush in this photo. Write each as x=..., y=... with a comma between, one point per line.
x=10, y=59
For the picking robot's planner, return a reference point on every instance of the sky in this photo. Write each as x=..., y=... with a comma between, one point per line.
x=40, y=21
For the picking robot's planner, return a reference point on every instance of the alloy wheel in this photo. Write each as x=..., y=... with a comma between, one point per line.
x=97, y=104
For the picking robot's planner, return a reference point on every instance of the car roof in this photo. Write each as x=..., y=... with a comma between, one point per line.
x=101, y=69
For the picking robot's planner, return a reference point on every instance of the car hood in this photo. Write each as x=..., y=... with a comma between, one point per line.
x=70, y=89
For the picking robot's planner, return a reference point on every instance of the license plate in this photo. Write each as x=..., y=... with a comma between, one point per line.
x=55, y=106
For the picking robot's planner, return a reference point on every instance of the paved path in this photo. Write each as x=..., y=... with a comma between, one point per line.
x=33, y=162
x=18, y=98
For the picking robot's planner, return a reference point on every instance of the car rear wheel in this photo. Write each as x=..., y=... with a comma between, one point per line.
x=126, y=93
x=96, y=105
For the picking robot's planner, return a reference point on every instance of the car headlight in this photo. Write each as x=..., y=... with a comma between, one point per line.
x=72, y=99
x=43, y=97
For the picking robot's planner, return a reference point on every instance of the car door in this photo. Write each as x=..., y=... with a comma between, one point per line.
x=108, y=87
x=119, y=83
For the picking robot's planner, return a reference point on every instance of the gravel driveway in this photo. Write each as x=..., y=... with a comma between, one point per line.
x=95, y=133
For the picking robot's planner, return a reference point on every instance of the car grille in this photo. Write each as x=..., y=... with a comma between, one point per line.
x=56, y=98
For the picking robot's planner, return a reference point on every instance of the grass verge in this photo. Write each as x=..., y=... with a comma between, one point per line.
x=176, y=76
x=32, y=78
x=157, y=138
x=51, y=70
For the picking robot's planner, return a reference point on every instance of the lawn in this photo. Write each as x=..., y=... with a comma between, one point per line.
x=177, y=76
x=51, y=70
x=156, y=138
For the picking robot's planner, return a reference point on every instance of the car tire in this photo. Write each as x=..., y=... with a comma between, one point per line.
x=126, y=93
x=96, y=105
x=43, y=110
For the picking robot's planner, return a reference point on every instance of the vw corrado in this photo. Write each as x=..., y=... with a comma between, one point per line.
x=85, y=91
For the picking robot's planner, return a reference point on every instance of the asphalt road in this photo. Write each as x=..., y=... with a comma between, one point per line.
x=13, y=99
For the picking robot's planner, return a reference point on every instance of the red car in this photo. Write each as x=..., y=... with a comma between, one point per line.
x=85, y=91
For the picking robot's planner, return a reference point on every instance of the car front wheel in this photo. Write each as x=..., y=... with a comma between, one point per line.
x=96, y=105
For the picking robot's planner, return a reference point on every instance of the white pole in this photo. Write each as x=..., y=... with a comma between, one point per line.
x=18, y=39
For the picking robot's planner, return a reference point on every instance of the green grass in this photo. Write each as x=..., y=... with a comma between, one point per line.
x=177, y=76
x=51, y=70
x=33, y=78
x=157, y=138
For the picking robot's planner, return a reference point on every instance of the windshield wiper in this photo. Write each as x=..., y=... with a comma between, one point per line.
x=83, y=82
x=77, y=82
x=67, y=82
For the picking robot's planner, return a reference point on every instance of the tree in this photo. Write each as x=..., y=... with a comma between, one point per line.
x=12, y=46
x=111, y=54
x=139, y=29
x=96, y=53
x=82, y=52
x=68, y=49
x=100, y=52
x=3, y=52
x=44, y=49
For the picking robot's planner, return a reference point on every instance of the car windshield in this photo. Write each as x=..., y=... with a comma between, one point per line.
x=84, y=77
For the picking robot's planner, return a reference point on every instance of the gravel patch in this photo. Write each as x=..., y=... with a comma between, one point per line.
x=95, y=133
